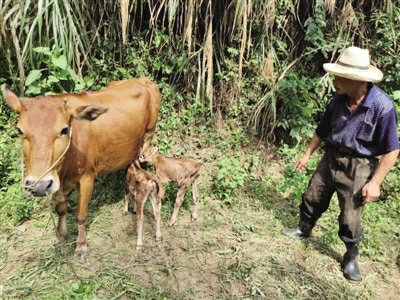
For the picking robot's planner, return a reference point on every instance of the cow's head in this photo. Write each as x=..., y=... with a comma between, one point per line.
x=45, y=128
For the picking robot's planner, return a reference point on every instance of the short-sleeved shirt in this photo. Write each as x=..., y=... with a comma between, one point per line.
x=369, y=130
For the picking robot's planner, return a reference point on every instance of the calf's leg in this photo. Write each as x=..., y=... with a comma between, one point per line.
x=178, y=203
x=140, y=199
x=156, y=203
x=195, y=194
x=127, y=199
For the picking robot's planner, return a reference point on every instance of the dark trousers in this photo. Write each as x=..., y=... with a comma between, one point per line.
x=346, y=175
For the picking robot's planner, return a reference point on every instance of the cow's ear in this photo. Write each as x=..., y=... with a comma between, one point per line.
x=12, y=99
x=90, y=112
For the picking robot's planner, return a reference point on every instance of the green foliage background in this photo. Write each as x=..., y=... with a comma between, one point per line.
x=242, y=88
x=253, y=66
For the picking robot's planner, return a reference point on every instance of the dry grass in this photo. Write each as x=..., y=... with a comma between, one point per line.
x=232, y=251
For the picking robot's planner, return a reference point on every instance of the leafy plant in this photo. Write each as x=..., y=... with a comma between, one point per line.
x=82, y=290
x=300, y=103
x=54, y=76
x=26, y=24
x=294, y=182
x=385, y=46
x=14, y=207
x=231, y=175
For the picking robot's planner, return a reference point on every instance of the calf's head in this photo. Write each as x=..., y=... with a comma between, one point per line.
x=147, y=154
x=45, y=128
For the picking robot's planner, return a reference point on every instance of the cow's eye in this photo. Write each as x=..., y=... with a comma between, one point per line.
x=19, y=132
x=64, y=131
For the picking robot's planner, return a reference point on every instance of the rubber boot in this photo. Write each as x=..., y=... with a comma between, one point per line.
x=303, y=229
x=351, y=271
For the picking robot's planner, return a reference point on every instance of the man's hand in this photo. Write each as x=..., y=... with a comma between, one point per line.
x=301, y=163
x=370, y=191
x=315, y=142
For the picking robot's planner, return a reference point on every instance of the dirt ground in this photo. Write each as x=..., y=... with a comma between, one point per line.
x=222, y=255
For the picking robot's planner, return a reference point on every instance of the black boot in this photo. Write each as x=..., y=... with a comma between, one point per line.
x=351, y=271
x=303, y=229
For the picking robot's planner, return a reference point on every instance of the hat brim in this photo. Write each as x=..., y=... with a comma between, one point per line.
x=372, y=74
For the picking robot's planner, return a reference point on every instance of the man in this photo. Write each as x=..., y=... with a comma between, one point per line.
x=359, y=128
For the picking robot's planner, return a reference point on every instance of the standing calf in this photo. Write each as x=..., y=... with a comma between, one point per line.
x=141, y=184
x=184, y=171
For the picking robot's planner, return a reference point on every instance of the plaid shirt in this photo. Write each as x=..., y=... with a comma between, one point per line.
x=370, y=129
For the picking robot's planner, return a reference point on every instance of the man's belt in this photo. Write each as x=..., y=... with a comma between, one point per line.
x=348, y=151
x=354, y=153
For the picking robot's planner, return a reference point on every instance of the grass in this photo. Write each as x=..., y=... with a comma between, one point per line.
x=235, y=250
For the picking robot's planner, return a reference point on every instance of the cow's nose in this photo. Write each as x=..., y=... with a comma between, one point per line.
x=41, y=188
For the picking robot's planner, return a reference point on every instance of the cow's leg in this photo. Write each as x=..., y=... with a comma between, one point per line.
x=178, y=203
x=61, y=209
x=156, y=203
x=148, y=136
x=195, y=194
x=85, y=193
x=140, y=198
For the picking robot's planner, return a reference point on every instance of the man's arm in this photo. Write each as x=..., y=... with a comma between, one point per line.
x=371, y=190
x=314, y=144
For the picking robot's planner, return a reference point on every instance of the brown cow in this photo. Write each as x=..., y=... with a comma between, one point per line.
x=69, y=139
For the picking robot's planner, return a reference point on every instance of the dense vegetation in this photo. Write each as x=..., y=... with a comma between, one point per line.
x=241, y=78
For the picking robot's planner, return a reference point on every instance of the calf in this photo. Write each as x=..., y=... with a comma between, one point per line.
x=184, y=171
x=141, y=184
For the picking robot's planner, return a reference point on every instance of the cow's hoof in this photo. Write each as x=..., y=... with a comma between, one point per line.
x=171, y=223
x=80, y=256
x=81, y=253
x=194, y=216
x=158, y=238
x=59, y=242
x=140, y=249
x=56, y=242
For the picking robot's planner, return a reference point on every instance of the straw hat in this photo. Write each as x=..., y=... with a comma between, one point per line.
x=354, y=64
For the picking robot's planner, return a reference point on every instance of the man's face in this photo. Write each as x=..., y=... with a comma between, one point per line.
x=342, y=85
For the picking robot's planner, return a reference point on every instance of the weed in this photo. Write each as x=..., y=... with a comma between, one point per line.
x=79, y=290
x=295, y=183
x=231, y=175
x=54, y=76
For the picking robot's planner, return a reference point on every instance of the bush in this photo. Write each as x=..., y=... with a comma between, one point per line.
x=14, y=207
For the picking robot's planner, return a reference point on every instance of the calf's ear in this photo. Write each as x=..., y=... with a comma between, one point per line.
x=11, y=99
x=154, y=151
x=90, y=112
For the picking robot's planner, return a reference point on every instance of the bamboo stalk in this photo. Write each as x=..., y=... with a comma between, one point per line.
x=188, y=28
x=208, y=55
x=244, y=39
x=124, y=17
